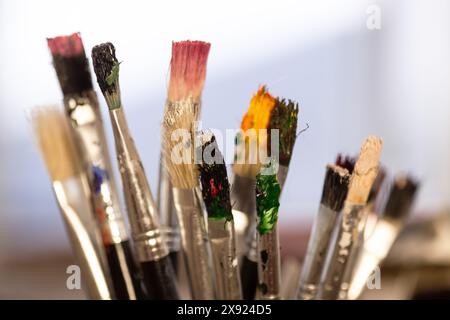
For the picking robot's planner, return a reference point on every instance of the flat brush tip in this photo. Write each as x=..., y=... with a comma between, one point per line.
x=335, y=188
x=66, y=46
x=188, y=69
x=106, y=66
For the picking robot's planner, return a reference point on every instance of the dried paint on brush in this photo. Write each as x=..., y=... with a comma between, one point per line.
x=335, y=187
x=188, y=69
x=284, y=117
x=267, y=201
x=249, y=142
x=346, y=161
x=214, y=182
x=106, y=68
x=71, y=64
x=365, y=171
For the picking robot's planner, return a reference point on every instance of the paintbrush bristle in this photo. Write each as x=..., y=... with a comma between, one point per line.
x=365, y=171
x=71, y=64
x=335, y=187
x=377, y=185
x=214, y=180
x=55, y=142
x=188, y=70
x=401, y=197
x=284, y=117
x=106, y=68
x=178, y=135
x=249, y=141
x=346, y=161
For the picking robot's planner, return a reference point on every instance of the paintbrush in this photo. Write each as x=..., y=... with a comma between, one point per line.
x=82, y=109
x=188, y=70
x=365, y=227
x=346, y=232
x=334, y=192
x=63, y=164
x=216, y=197
x=250, y=140
x=150, y=246
x=281, y=137
x=187, y=78
x=377, y=246
x=269, y=264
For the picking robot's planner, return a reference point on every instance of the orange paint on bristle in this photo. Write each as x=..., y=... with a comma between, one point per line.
x=188, y=69
x=66, y=46
x=259, y=111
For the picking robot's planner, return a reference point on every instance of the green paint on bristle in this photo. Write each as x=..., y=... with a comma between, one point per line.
x=267, y=201
x=214, y=183
x=284, y=117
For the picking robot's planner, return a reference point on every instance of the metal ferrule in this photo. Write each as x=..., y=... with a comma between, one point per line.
x=318, y=244
x=86, y=122
x=375, y=249
x=339, y=255
x=243, y=202
x=168, y=219
x=85, y=251
x=142, y=211
x=225, y=262
x=269, y=266
x=195, y=243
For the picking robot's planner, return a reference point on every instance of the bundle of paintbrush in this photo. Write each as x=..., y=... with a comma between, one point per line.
x=347, y=231
x=268, y=134
x=216, y=197
x=82, y=110
x=187, y=76
x=68, y=180
x=383, y=235
x=149, y=243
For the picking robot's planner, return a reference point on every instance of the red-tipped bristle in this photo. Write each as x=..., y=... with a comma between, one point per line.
x=66, y=46
x=188, y=69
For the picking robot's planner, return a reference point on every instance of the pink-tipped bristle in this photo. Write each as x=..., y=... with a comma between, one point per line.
x=66, y=46
x=188, y=69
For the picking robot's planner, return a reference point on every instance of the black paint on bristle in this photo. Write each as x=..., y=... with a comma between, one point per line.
x=214, y=182
x=346, y=162
x=335, y=189
x=400, y=198
x=284, y=117
x=105, y=66
x=73, y=73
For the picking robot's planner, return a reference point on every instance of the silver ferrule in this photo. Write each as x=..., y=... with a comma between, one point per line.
x=269, y=266
x=340, y=252
x=168, y=219
x=87, y=256
x=243, y=202
x=142, y=210
x=195, y=243
x=375, y=249
x=224, y=258
x=314, y=260
x=85, y=119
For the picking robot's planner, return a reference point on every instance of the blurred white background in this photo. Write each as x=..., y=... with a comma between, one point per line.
x=350, y=81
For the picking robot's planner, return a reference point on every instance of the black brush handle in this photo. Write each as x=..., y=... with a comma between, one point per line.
x=159, y=278
x=249, y=278
x=125, y=274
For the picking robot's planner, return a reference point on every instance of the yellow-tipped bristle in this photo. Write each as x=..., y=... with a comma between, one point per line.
x=178, y=153
x=365, y=171
x=55, y=142
x=257, y=117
